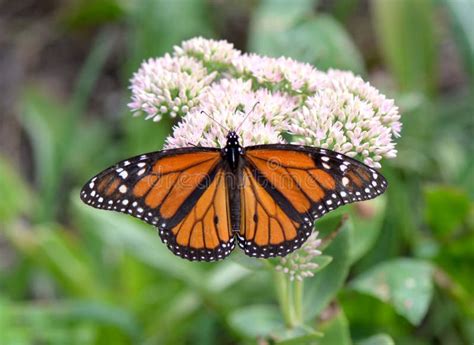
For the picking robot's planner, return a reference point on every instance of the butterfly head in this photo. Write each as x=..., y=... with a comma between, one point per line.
x=232, y=150
x=232, y=139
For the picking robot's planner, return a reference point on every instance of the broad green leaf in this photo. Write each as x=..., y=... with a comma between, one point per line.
x=367, y=218
x=271, y=20
x=378, y=339
x=51, y=248
x=318, y=40
x=301, y=336
x=137, y=239
x=51, y=127
x=88, y=76
x=226, y=274
x=248, y=262
x=335, y=329
x=324, y=286
x=461, y=13
x=343, y=9
x=43, y=120
x=99, y=313
x=446, y=209
x=16, y=197
x=87, y=13
x=323, y=42
x=322, y=261
x=54, y=323
x=256, y=321
x=404, y=283
x=399, y=223
x=155, y=26
x=405, y=35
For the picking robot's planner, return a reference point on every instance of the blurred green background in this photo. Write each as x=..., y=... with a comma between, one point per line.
x=74, y=275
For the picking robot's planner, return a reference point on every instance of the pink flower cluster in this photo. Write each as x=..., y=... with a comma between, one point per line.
x=334, y=109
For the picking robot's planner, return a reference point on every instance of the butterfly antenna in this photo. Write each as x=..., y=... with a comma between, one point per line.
x=246, y=116
x=213, y=119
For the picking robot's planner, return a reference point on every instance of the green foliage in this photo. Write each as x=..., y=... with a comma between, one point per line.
x=405, y=32
x=464, y=29
x=404, y=283
x=367, y=222
x=257, y=320
x=397, y=269
x=16, y=197
x=321, y=289
x=379, y=339
x=335, y=329
x=317, y=39
x=446, y=209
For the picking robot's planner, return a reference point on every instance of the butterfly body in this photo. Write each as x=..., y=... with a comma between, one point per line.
x=204, y=200
x=232, y=151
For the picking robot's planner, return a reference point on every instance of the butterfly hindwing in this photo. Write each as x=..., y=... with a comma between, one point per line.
x=304, y=183
x=179, y=191
x=268, y=227
x=204, y=233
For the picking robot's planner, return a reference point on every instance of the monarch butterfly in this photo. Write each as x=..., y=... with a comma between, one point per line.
x=203, y=200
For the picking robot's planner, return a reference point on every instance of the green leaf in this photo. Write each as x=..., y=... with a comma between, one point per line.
x=322, y=261
x=99, y=313
x=461, y=14
x=50, y=247
x=51, y=127
x=43, y=119
x=288, y=31
x=43, y=323
x=446, y=209
x=324, y=286
x=335, y=329
x=406, y=38
x=248, y=262
x=137, y=239
x=306, y=339
x=367, y=219
x=404, y=283
x=256, y=321
x=323, y=42
x=272, y=18
x=163, y=19
x=86, y=13
x=378, y=339
x=16, y=198
x=226, y=274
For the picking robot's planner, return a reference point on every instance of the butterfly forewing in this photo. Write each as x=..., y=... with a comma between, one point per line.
x=302, y=182
x=182, y=192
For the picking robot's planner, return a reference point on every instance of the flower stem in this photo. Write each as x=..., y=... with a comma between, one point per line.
x=298, y=300
x=285, y=298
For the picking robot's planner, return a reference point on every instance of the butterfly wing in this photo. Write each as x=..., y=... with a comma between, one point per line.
x=285, y=188
x=181, y=191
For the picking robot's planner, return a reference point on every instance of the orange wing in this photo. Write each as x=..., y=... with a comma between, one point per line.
x=267, y=228
x=182, y=192
x=285, y=188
